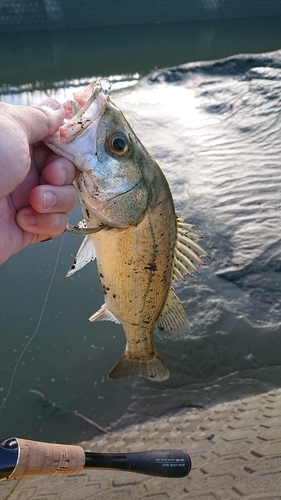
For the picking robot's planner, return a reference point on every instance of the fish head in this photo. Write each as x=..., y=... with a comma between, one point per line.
x=108, y=157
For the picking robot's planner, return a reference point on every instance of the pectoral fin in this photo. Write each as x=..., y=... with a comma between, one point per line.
x=85, y=254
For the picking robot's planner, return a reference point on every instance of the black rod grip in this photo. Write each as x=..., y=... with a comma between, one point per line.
x=162, y=463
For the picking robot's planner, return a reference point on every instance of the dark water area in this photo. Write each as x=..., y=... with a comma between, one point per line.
x=49, y=59
x=214, y=127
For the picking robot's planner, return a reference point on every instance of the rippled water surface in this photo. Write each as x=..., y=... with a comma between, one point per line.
x=214, y=128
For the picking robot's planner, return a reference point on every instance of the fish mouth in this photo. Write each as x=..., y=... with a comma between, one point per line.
x=83, y=117
x=91, y=110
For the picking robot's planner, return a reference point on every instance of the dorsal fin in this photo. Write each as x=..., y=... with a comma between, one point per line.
x=173, y=321
x=187, y=252
x=85, y=254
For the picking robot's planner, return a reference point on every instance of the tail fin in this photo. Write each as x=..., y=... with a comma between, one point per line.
x=153, y=369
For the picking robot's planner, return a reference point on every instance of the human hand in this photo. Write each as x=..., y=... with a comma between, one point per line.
x=36, y=190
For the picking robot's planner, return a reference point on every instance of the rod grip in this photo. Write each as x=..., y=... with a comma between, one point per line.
x=41, y=459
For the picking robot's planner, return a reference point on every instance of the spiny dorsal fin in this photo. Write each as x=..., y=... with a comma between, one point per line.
x=103, y=314
x=173, y=321
x=187, y=251
x=85, y=254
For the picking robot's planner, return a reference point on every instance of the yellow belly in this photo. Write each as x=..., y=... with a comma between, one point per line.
x=135, y=268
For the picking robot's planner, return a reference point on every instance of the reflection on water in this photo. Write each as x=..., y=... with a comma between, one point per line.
x=215, y=130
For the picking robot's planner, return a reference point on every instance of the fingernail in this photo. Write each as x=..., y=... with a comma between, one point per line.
x=50, y=103
x=49, y=200
x=28, y=219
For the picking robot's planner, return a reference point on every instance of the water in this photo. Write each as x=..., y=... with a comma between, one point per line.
x=214, y=128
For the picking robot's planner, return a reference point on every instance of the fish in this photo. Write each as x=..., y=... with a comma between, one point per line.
x=131, y=228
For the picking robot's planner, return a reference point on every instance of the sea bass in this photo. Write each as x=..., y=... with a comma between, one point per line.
x=131, y=228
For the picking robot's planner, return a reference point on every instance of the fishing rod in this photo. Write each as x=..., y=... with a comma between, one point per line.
x=23, y=458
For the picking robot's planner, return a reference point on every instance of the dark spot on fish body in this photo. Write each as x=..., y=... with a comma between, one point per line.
x=151, y=266
x=101, y=275
x=88, y=213
x=114, y=296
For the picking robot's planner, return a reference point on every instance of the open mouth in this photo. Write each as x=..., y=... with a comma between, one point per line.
x=90, y=111
x=81, y=113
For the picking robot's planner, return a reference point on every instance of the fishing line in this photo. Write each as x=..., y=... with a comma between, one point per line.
x=36, y=329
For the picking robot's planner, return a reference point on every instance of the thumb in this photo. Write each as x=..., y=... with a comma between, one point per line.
x=36, y=122
x=20, y=127
x=43, y=120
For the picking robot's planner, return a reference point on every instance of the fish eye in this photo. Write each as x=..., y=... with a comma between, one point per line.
x=118, y=144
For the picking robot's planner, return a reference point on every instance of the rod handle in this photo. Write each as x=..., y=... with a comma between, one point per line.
x=42, y=459
x=161, y=463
